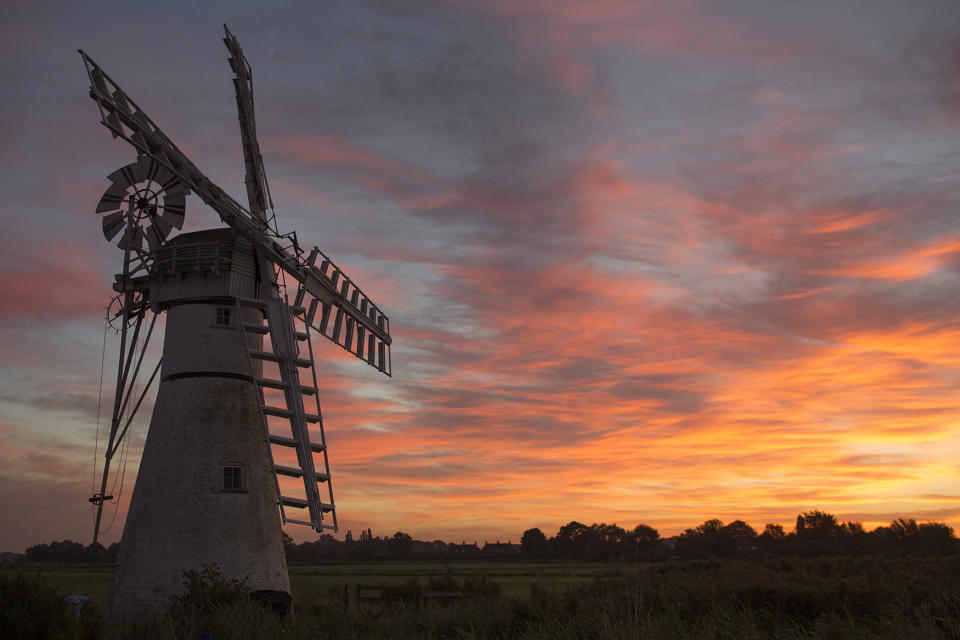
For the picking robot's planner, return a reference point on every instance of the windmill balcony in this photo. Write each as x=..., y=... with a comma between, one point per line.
x=215, y=262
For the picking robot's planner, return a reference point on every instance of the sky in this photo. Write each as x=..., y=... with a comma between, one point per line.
x=644, y=262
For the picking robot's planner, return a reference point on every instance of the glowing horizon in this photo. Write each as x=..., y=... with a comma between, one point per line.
x=642, y=264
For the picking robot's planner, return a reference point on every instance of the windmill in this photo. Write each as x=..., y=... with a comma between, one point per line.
x=236, y=442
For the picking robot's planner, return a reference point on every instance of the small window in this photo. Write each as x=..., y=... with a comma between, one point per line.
x=232, y=477
x=223, y=316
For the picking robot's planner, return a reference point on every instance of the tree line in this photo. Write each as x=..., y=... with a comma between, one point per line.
x=816, y=533
x=72, y=552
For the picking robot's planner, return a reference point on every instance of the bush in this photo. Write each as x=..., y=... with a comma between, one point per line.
x=31, y=608
x=207, y=589
x=209, y=602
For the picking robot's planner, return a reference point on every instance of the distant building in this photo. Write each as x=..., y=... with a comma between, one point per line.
x=463, y=549
x=424, y=548
x=501, y=549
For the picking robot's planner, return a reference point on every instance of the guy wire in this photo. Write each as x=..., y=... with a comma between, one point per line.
x=96, y=445
x=123, y=468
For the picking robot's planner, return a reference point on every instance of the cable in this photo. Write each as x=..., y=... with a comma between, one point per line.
x=123, y=470
x=96, y=445
x=119, y=478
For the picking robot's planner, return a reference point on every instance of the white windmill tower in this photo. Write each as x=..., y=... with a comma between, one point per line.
x=236, y=430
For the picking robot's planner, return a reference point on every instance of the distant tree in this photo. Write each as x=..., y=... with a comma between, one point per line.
x=327, y=540
x=817, y=525
x=771, y=540
x=905, y=534
x=401, y=545
x=743, y=535
x=773, y=531
x=740, y=530
x=645, y=535
x=367, y=547
x=95, y=552
x=708, y=539
x=607, y=541
x=710, y=526
x=325, y=547
x=937, y=538
x=852, y=538
x=533, y=544
x=570, y=540
x=38, y=553
x=853, y=527
x=645, y=539
x=287, y=541
x=61, y=551
x=817, y=533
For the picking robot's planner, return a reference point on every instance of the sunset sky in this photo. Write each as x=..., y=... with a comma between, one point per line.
x=649, y=262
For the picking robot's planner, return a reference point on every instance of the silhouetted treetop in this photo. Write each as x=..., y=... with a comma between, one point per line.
x=817, y=533
x=533, y=543
x=817, y=525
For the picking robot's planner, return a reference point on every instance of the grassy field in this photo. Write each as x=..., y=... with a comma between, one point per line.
x=787, y=598
x=93, y=581
x=514, y=578
x=314, y=581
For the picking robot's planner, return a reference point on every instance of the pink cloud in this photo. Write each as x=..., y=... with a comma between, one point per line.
x=61, y=284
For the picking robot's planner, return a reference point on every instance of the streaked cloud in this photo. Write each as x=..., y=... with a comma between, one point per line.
x=643, y=263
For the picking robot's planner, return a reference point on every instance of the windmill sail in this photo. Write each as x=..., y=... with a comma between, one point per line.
x=340, y=310
x=337, y=320
x=285, y=341
x=258, y=191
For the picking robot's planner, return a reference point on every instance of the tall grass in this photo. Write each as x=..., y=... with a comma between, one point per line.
x=823, y=598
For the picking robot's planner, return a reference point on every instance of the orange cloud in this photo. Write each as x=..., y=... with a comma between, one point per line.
x=906, y=265
x=670, y=264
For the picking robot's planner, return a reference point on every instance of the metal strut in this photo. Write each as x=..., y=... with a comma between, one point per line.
x=125, y=382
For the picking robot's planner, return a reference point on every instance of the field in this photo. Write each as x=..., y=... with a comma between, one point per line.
x=840, y=597
x=514, y=578
x=312, y=581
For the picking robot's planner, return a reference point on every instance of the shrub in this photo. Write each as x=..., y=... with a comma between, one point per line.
x=207, y=589
x=31, y=608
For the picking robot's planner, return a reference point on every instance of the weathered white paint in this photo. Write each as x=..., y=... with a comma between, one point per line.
x=179, y=518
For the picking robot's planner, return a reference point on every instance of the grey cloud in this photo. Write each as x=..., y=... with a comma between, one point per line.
x=676, y=400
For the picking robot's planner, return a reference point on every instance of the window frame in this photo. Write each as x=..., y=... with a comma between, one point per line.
x=242, y=479
x=227, y=313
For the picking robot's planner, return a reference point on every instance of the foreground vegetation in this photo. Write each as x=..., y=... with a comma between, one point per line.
x=835, y=597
